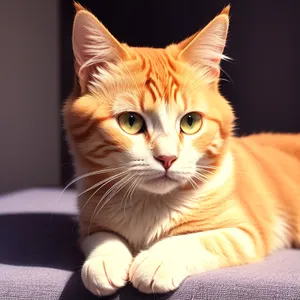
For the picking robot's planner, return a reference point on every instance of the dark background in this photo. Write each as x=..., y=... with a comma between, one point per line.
x=264, y=42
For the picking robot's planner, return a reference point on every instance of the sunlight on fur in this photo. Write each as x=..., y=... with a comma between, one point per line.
x=165, y=190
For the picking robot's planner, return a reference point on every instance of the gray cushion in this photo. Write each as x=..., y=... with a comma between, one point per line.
x=40, y=259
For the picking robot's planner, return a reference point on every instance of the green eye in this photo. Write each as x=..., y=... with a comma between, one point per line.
x=131, y=123
x=191, y=123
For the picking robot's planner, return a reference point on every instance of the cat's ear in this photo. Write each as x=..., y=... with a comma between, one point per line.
x=205, y=48
x=93, y=45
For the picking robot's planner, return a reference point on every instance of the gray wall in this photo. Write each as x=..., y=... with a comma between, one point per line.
x=29, y=94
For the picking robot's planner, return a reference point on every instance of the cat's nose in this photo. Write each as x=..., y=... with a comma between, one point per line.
x=166, y=161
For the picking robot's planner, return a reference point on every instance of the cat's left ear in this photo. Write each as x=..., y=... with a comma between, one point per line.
x=205, y=48
x=93, y=46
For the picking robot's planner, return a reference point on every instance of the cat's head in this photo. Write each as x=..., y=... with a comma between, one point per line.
x=154, y=117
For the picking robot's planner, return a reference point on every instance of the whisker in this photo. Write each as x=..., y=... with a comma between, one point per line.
x=111, y=191
x=90, y=174
x=136, y=185
x=202, y=175
x=208, y=167
x=206, y=171
x=137, y=182
x=127, y=194
x=102, y=184
x=201, y=178
x=102, y=181
x=193, y=183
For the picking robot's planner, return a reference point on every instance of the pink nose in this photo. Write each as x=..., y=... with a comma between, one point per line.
x=166, y=161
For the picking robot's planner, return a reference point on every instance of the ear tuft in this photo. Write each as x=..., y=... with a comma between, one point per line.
x=226, y=10
x=78, y=6
x=205, y=48
x=93, y=46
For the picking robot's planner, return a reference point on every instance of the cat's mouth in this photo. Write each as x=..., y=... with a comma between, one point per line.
x=160, y=184
x=162, y=178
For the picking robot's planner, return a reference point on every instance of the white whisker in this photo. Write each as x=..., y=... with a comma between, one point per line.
x=90, y=174
x=101, y=184
x=127, y=194
x=103, y=181
x=112, y=191
x=193, y=183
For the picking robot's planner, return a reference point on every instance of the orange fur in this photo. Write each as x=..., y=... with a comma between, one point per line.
x=247, y=202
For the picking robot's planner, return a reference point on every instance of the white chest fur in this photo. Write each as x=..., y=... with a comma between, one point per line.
x=144, y=219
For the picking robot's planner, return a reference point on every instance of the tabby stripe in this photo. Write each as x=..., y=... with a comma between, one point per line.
x=187, y=226
x=92, y=126
x=164, y=63
x=147, y=137
x=142, y=101
x=185, y=101
x=108, y=152
x=170, y=62
x=173, y=89
x=181, y=137
x=84, y=123
x=256, y=237
x=170, y=89
x=81, y=123
x=97, y=149
x=82, y=127
x=237, y=246
x=80, y=137
x=154, y=86
x=143, y=66
x=175, y=95
x=94, y=159
x=151, y=90
x=223, y=249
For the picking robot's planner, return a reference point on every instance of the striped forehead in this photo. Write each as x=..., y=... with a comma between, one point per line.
x=161, y=77
x=157, y=83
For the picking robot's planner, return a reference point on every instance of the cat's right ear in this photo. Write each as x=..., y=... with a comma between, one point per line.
x=205, y=48
x=93, y=45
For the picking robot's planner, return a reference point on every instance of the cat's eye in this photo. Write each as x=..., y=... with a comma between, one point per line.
x=131, y=123
x=191, y=123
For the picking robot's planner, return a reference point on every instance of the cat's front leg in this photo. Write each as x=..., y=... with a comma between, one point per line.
x=108, y=259
x=167, y=263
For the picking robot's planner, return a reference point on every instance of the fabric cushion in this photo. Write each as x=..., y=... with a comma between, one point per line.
x=40, y=259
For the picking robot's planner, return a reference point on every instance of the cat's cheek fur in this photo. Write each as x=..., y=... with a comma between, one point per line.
x=107, y=264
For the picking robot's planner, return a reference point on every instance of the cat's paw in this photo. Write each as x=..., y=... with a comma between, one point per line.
x=157, y=272
x=104, y=275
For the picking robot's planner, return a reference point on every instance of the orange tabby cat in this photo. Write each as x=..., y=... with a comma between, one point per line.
x=165, y=189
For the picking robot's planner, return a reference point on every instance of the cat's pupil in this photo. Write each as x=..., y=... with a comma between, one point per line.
x=131, y=120
x=190, y=120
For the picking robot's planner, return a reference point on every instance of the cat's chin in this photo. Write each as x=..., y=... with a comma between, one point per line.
x=160, y=186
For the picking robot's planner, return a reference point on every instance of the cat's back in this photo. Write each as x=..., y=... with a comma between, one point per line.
x=268, y=164
x=288, y=143
x=267, y=176
x=275, y=146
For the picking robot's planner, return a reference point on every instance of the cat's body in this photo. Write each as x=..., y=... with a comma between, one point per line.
x=265, y=170
x=169, y=191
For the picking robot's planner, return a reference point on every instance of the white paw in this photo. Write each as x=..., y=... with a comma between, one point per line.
x=107, y=265
x=105, y=275
x=157, y=272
